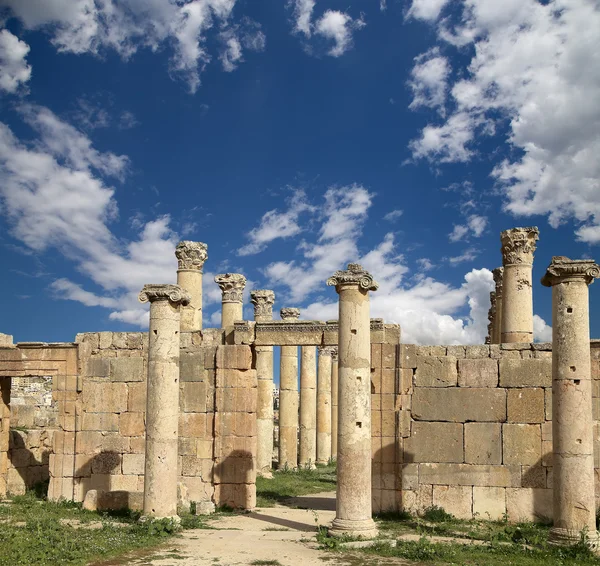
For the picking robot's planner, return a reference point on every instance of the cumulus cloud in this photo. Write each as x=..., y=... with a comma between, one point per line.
x=532, y=80
x=125, y=26
x=303, y=10
x=393, y=215
x=428, y=81
x=14, y=69
x=475, y=226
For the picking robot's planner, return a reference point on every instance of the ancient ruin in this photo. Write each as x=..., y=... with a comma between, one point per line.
x=184, y=414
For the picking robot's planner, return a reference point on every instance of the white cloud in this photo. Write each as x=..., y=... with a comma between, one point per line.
x=338, y=26
x=541, y=331
x=428, y=81
x=275, y=224
x=475, y=226
x=427, y=10
x=468, y=255
x=458, y=233
x=425, y=264
x=125, y=26
x=14, y=70
x=393, y=215
x=533, y=80
x=303, y=10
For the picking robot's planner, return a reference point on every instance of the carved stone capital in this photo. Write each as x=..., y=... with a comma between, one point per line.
x=173, y=293
x=498, y=274
x=191, y=255
x=334, y=354
x=354, y=275
x=518, y=245
x=263, y=300
x=326, y=350
x=564, y=269
x=289, y=314
x=232, y=287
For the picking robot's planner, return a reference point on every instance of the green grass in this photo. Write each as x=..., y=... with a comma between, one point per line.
x=291, y=483
x=265, y=563
x=31, y=532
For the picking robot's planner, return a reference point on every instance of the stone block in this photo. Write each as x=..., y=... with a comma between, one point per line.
x=456, y=500
x=434, y=442
x=409, y=477
x=525, y=405
x=478, y=373
x=388, y=356
x=114, y=500
x=525, y=373
x=132, y=424
x=406, y=381
x=388, y=380
x=436, y=372
x=469, y=474
x=107, y=463
x=548, y=402
x=136, y=399
x=456, y=351
x=108, y=422
x=96, y=367
x=533, y=476
x=477, y=351
x=193, y=397
x=483, y=443
x=191, y=367
x=127, y=369
x=489, y=503
x=408, y=356
x=105, y=340
x=236, y=378
x=192, y=425
x=105, y=397
x=119, y=340
x=133, y=464
x=522, y=444
x=529, y=504
x=234, y=357
x=459, y=404
x=438, y=351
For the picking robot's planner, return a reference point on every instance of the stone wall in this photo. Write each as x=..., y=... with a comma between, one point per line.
x=29, y=456
x=475, y=430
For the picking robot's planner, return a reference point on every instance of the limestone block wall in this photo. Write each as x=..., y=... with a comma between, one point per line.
x=32, y=404
x=475, y=430
x=29, y=456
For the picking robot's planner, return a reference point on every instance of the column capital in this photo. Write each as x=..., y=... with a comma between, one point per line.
x=327, y=350
x=498, y=274
x=191, y=255
x=173, y=293
x=289, y=314
x=354, y=275
x=334, y=353
x=232, y=287
x=263, y=300
x=563, y=269
x=518, y=245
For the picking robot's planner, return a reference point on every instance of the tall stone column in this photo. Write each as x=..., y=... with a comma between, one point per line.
x=324, y=405
x=288, y=399
x=572, y=417
x=353, y=504
x=334, y=402
x=498, y=274
x=491, y=319
x=162, y=401
x=263, y=301
x=308, y=406
x=232, y=301
x=190, y=261
x=518, y=246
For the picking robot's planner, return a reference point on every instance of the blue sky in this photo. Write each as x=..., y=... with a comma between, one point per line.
x=292, y=138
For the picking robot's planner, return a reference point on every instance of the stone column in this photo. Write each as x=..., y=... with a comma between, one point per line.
x=232, y=301
x=518, y=245
x=334, y=402
x=190, y=260
x=324, y=405
x=308, y=406
x=263, y=301
x=353, y=504
x=162, y=401
x=572, y=418
x=288, y=399
x=491, y=319
x=498, y=274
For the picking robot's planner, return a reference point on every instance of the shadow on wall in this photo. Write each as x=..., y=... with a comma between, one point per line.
x=29, y=456
x=235, y=480
x=96, y=472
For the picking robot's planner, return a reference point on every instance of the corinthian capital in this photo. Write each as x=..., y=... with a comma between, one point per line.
x=232, y=286
x=564, y=269
x=263, y=300
x=354, y=275
x=191, y=255
x=173, y=293
x=334, y=353
x=326, y=350
x=518, y=245
x=289, y=314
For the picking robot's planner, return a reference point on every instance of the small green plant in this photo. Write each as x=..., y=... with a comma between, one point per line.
x=436, y=514
x=265, y=563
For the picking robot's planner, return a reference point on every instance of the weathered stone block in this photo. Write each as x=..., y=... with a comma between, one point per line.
x=234, y=357
x=469, y=474
x=406, y=381
x=106, y=463
x=438, y=351
x=459, y=404
x=105, y=339
x=192, y=425
x=526, y=405
x=548, y=402
x=388, y=356
x=105, y=397
x=132, y=424
x=483, y=443
x=478, y=351
x=529, y=504
x=456, y=351
x=133, y=464
x=191, y=367
x=489, y=503
x=409, y=477
x=478, y=373
x=417, y=501
x=127, y=369
x=136, y=400
x=408, y=356
x=525, y=373
x=193, y=397
x=96, y=367
x=457, y=500
x=533, y=476
x=436, y=372
x=522, y=444
x=108, y=422
x=434, y=442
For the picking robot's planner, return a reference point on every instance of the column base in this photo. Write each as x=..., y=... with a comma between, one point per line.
x=365, y=528
x=566, y=537
x=268, y=474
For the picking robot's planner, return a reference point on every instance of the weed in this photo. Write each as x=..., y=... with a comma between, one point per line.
x=435, y=514
x=265, y=563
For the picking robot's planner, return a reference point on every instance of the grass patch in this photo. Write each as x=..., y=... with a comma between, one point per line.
x=44, y=533
x=291, y=483
x=265, y=563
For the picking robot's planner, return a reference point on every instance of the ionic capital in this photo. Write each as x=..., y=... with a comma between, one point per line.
x=263, y=300
x=191, y=255
x=563, y=269
x=354, y=275
x=498, y=274
x=518, y=245
x=289, y=314
x=327, y=350
x=232, y=287
x=172, y=293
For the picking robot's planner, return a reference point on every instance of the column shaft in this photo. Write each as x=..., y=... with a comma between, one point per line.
x=308, y=406
x=324, y=406
x=334, y=405
x=190, y=260
x=232, y=306
x=288, y=408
